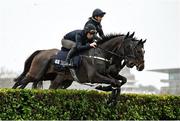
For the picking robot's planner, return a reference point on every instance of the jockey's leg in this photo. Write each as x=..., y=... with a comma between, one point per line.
x=71, y=53
x=69, y=44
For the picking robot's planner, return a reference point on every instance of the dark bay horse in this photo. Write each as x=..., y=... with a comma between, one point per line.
x=118, y=47
x=133, y=48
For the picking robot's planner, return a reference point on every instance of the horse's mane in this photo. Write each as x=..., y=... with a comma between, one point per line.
x=109, y=36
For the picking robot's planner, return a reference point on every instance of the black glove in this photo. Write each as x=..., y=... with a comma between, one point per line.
x=97, y=39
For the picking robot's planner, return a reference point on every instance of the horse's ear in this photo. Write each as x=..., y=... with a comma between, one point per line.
x=127, y=35
x=140, y=42
x=144, y=41
x=132, y=35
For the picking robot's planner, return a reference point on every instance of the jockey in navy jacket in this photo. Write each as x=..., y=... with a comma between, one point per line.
x=79, y=37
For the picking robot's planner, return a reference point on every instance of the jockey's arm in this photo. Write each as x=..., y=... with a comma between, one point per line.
x=97, y=39
x=79, y=45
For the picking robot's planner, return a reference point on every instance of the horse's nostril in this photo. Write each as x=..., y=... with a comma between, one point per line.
x=140, y=68
x=131, y=64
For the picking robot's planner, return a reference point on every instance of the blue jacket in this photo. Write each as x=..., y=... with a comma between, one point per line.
x=97, y=25
x=79, y=37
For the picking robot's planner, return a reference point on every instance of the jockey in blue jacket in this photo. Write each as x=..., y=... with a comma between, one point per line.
x=78, y=41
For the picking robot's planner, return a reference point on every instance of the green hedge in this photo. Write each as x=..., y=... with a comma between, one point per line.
x=76, y=104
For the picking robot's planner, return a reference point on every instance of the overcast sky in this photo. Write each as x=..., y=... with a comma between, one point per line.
x=28, y=25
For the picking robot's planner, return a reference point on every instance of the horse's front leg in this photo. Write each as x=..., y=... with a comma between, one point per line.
x=99, y=78
x=109, y=88
x=122, y=78
x=116, y=92
x=114, y=97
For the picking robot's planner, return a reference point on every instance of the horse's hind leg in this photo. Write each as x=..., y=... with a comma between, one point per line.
x=65, y=84
x=57, y=82
x=18, y=80
x=25, y=81
x=16, y=85
x=40, y=85
x=20, y=77
x=37, y=85
x=21, y=82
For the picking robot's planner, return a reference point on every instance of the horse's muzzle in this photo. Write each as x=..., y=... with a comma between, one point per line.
x=140, y=67
x=130, y=64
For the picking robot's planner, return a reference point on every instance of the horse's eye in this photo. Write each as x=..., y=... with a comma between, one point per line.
x=139, y=51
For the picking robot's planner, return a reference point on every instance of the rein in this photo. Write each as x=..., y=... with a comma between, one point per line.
x=113, y=53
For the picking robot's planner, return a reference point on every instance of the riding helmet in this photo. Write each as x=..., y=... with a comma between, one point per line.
x=98, y=12
x=90, y=28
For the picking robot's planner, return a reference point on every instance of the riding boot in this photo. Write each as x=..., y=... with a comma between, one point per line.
x=70, y=54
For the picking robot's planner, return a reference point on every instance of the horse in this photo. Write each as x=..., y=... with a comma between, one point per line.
x=40, y=67
x=113, y=69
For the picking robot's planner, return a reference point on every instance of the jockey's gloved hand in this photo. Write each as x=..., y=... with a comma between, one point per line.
x=93, y=45
x=97, y=39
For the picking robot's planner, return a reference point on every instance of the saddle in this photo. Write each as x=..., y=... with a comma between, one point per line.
x=60, y=58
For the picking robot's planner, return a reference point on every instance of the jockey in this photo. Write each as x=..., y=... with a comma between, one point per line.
x=78, y=41
x=96, y=18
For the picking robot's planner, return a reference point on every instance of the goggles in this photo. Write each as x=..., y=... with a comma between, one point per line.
x=92, y=31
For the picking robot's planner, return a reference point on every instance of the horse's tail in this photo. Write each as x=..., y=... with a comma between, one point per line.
x=27, y=65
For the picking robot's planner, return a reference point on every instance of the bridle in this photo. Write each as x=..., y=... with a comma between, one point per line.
x=125, y=57
x=114, y=53
x=111, y=52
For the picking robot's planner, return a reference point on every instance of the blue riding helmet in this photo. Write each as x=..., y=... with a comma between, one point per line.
x=98, y=12
x=90, y=28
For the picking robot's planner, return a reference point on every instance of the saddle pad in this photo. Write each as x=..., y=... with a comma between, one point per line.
x=60, y=58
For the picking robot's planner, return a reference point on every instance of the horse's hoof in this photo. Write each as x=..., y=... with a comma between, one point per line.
x=99, y=87
x=112, y=103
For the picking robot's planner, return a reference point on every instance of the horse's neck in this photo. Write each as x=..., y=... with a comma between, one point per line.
x=112, y=45
x=109, y=45
x=118, y=62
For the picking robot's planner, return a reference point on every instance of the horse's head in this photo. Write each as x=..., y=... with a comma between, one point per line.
x=128, y=46
x=139, y=54
x=124, y=47
x=134, y=52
